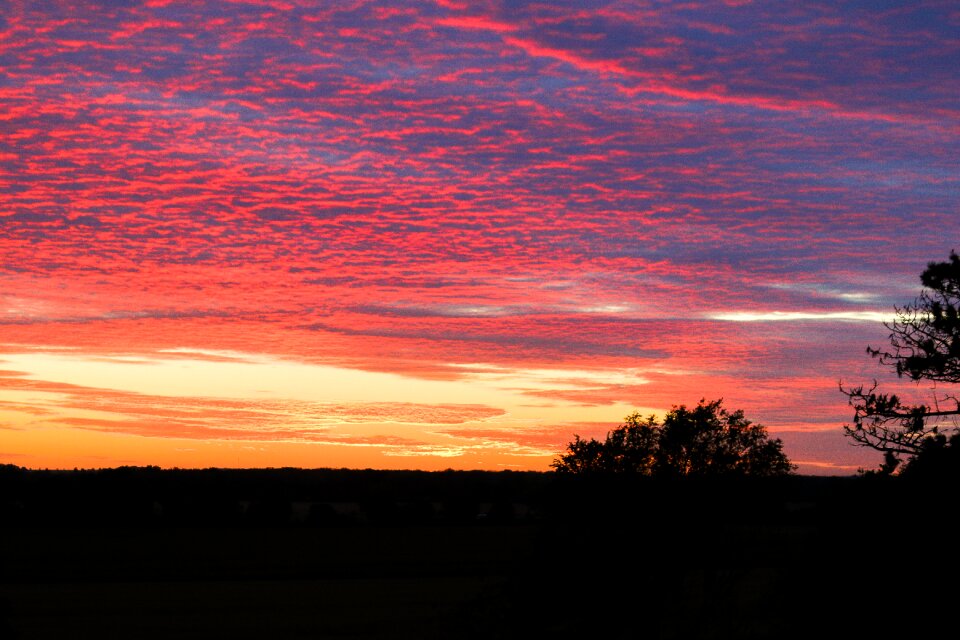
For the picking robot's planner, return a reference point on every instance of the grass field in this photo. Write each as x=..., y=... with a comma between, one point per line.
x=357, y=582
x=86, y=556
x=375, y=582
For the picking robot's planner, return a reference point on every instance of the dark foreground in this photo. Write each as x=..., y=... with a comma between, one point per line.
x=144, y=553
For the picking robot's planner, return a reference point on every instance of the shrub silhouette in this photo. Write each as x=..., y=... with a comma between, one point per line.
x=704, y=441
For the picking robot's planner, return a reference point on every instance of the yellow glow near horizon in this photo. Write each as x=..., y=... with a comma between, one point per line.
x=245, y=377
x=192, y=396
x=248, y=376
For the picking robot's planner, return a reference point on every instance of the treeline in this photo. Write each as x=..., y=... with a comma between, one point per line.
x=151, y=496
x=270, y=497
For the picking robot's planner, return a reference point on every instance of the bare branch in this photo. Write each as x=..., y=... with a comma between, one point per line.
x=925, y=345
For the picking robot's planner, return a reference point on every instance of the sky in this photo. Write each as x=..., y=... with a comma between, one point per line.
x=451, y=234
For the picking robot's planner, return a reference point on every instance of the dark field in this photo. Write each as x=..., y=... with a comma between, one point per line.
x=143, y=553
x=298, y=582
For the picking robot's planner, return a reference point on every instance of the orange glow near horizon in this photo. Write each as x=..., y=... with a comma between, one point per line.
x=182, y=407
x=273, y=411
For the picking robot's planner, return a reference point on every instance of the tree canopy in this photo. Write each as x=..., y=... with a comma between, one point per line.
x=924, y=346
x=704, y=441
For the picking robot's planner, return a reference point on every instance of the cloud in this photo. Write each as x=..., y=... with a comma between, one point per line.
x=803, y=316
x=209, y=418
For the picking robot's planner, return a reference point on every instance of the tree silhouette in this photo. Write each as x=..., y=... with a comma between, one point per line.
x=703, y=441
x=924, y=346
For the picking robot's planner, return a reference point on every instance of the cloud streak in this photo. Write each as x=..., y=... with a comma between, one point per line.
x=219, y=418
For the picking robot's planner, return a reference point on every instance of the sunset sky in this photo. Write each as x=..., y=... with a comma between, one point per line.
x=453, y=234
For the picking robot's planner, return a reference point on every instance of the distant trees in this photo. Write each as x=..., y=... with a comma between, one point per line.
x=924, y=346
x=703, y=441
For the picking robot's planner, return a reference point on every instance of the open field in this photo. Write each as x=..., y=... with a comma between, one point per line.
x=358, y=582
x=744, y=560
